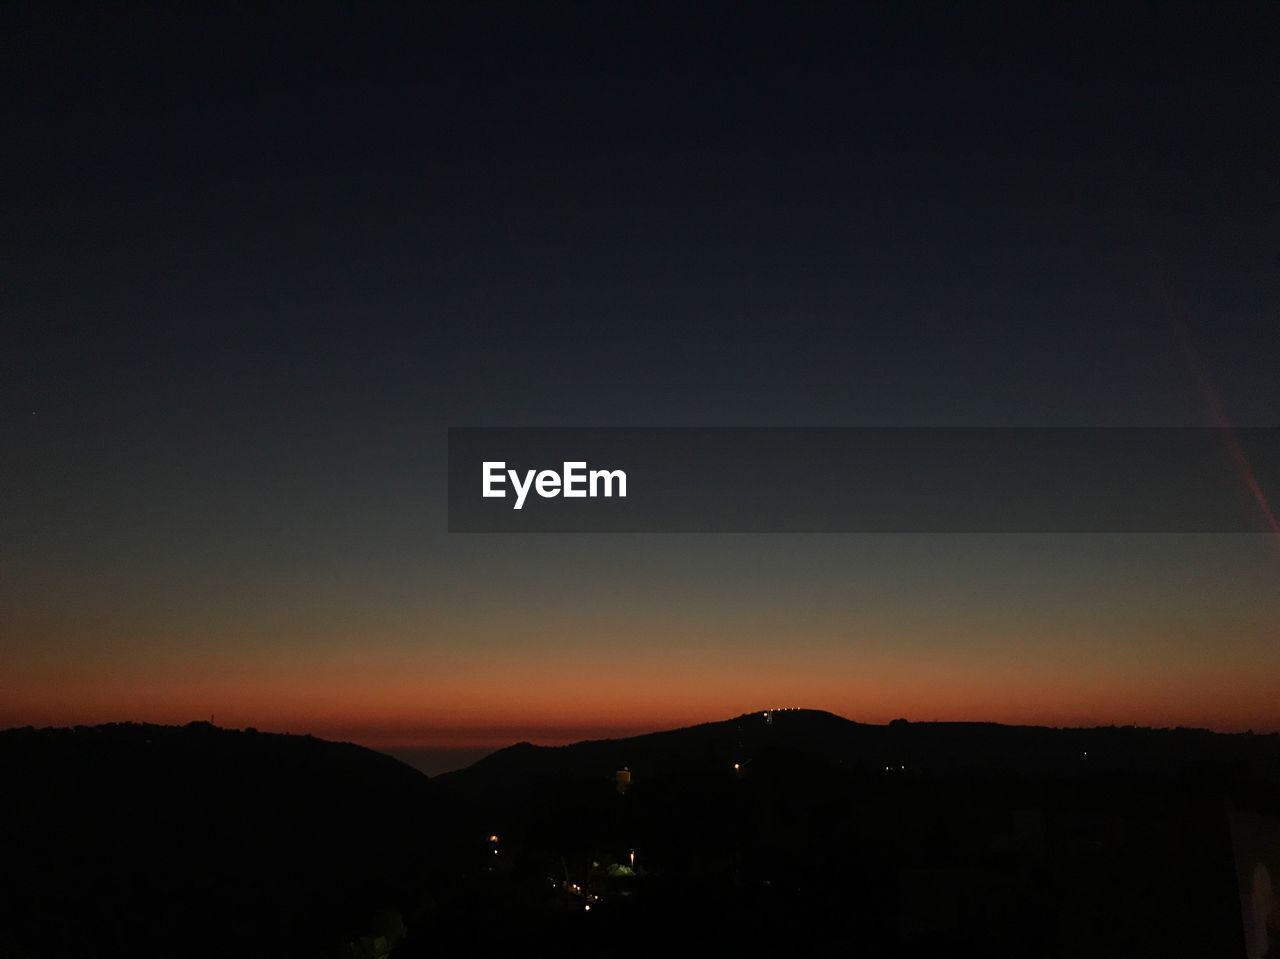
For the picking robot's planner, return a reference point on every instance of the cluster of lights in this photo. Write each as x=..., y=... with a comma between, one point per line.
x=576, y=890
x=768, y=713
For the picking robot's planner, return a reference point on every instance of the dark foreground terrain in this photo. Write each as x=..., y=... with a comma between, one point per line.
x=793, y=831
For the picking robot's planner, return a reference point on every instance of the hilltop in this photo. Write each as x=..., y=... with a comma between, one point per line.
x=195, y=840
x=930, y=750
x=905, y=839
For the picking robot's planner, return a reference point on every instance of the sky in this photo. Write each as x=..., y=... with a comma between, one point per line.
x=257, y=259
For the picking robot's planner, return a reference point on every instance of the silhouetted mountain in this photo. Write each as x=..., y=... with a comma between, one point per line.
x=931, y=750
x=908, y=839
x=155, y=840
x=794, y=831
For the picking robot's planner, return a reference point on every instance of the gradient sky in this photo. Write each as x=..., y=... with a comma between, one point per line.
x=255, y=263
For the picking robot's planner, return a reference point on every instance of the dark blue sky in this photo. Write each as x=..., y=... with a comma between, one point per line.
x=255, y=260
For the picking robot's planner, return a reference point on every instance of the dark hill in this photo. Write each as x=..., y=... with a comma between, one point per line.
x=797, y=833
x=918, y=750
x=155, y=840
x=756, y=834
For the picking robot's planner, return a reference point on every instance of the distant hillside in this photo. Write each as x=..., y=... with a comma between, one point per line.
x=155, y=840
x=752, y=835
x=919, y=750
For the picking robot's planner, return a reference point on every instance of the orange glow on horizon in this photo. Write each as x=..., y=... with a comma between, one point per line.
x=561, y=677
x=491, y=711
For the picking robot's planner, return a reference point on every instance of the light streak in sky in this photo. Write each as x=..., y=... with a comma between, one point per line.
x=1216, y=410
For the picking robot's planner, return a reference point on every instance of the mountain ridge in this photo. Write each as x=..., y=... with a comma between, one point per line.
x=524, y=771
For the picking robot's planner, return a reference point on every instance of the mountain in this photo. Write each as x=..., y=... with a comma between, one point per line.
x=792, y=831
x=798, y=827
x=931, y=750
x=142, y=839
